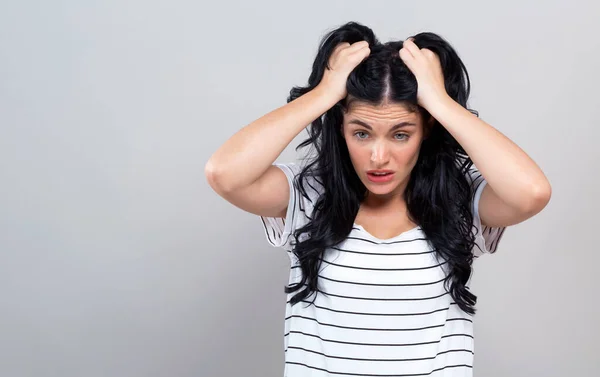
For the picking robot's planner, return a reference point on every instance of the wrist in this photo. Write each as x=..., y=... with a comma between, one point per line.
x=439, y=105
x=327, y=95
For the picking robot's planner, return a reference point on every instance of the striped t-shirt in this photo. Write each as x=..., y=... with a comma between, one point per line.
x=385, y=311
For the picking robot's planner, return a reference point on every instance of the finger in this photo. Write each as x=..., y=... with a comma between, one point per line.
x=359, y=55
x=406, y=55
x=357, y=46
x=341, y=46
x=407, y=58
x=412, y=48
x=429, y=54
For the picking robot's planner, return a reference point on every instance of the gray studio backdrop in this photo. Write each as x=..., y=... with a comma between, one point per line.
x=117, y=259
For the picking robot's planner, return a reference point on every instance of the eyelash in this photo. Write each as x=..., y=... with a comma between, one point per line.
x=362, y=132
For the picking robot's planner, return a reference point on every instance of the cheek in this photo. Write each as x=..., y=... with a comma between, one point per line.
x=406, y=155
x=359, y=154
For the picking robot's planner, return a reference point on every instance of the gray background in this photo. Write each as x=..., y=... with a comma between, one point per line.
x=117, y=259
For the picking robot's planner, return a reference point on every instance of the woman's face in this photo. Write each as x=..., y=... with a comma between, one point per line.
x=386, y=137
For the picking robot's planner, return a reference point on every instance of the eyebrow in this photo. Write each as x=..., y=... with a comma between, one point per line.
x=394, y=127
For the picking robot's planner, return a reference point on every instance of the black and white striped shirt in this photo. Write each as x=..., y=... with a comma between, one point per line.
x=385, y=311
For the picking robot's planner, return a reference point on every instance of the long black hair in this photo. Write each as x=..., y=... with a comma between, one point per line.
x=438, y=194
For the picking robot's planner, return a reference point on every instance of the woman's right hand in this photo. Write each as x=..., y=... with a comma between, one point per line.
x=344, y=58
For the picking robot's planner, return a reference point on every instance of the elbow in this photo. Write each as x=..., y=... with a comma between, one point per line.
x=540, y=197
x=213, y=176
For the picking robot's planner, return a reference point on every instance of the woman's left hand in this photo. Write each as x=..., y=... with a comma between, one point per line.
x=426, y=67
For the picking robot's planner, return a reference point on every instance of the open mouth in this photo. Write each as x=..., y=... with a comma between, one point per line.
x=379, y=174
x=380, y=177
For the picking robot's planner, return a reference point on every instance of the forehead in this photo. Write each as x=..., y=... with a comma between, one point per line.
x=388, y=112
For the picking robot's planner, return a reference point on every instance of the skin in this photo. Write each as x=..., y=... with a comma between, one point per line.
x=383, y=148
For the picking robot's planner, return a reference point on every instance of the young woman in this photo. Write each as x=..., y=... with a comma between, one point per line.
x=405, y=187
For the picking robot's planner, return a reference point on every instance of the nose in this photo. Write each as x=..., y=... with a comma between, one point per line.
x=379, y=154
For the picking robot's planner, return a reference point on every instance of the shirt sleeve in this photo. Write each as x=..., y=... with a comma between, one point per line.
x=279, y=231
x=486, y=238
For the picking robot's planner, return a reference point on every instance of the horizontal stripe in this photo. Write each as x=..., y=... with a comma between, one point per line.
x=378, y=360
x=379, y=314
x=377, y=329
x=386, y=298
x=375, y=284
x=380, y=284
x=384, y=242
x=383, y=375
x=384, y=254
x=383, y=269
x=378, y=344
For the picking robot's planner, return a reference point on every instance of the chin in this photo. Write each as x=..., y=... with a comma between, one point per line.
x=381, y=189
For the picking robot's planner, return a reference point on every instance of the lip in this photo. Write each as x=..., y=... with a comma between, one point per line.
x=380, y=171
x=380, y=179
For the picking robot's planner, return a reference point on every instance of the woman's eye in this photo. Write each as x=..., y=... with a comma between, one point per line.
x=359, y=135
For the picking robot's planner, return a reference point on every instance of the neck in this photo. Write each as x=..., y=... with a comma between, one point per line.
x=389, y=201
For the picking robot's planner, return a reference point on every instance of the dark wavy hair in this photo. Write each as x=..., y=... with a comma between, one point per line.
x=438, y=194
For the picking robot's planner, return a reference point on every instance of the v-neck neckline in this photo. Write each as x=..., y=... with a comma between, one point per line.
x=360, y=227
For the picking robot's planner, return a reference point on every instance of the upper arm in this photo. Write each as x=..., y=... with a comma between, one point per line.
x=267, y=196
x=496, y=213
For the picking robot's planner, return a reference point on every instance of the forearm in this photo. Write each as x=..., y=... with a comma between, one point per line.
x=511, y=173
x=244, y=157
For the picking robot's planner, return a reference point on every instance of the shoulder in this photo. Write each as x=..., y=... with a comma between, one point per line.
x=310, y=183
